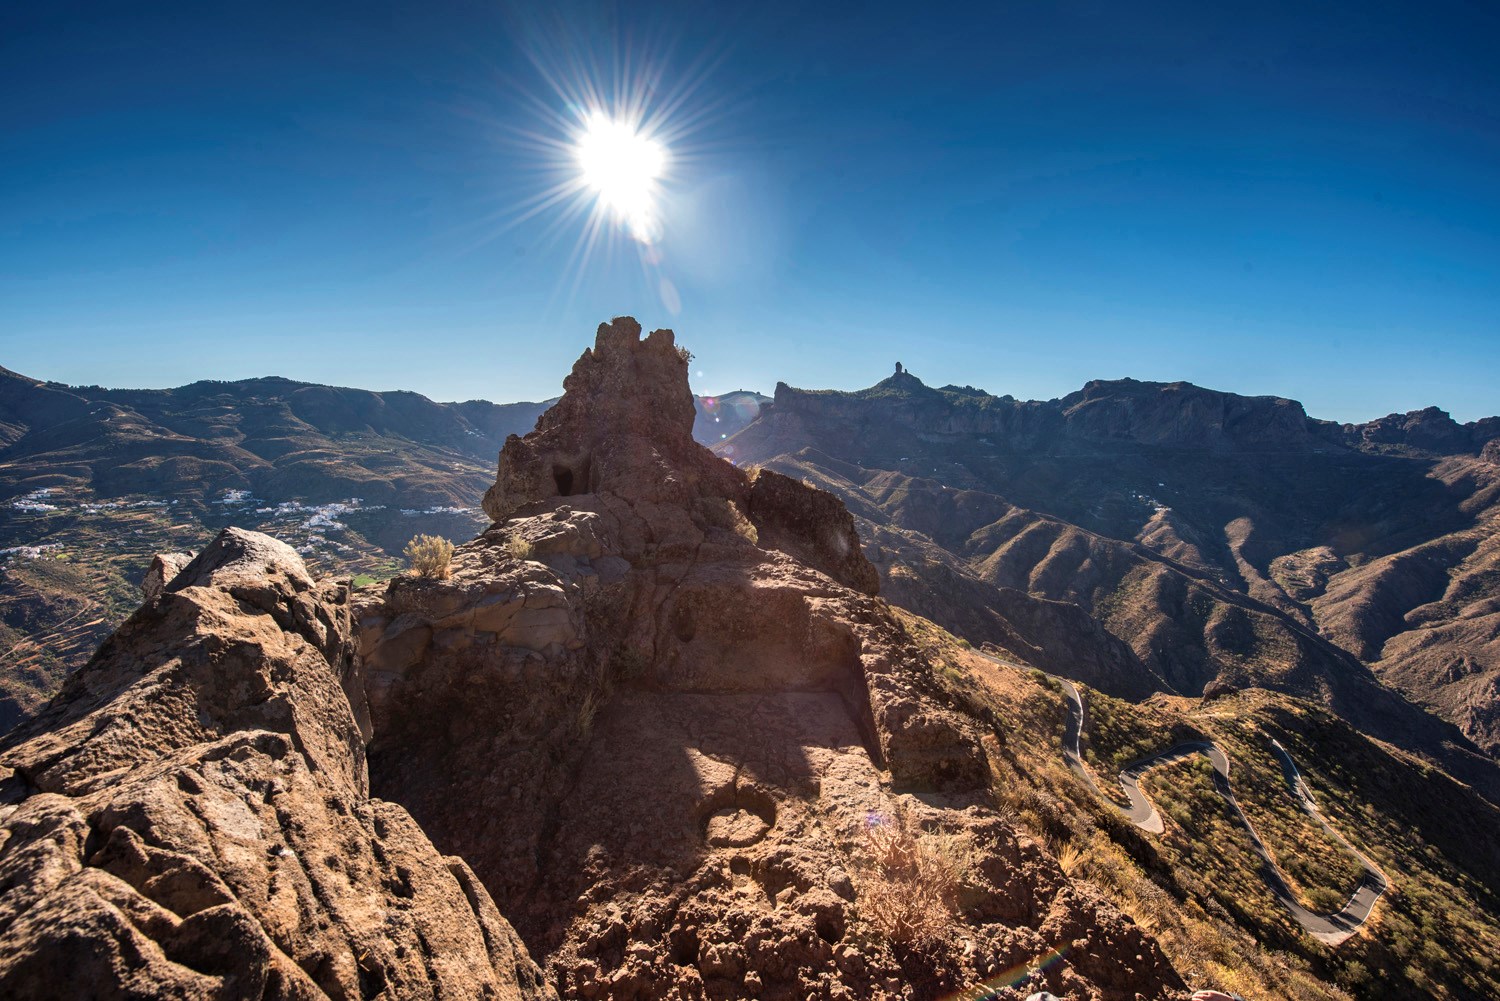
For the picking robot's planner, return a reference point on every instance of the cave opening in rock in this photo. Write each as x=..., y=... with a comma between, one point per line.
x=572, y=477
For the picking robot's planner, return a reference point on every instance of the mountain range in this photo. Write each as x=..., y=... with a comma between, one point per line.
x=1228, y=541
x=93, y=481
x=839, y=718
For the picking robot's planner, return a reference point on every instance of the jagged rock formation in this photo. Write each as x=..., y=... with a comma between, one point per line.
x=653, y=713
x=656, y=708
x=190, y=816
x=102, y=478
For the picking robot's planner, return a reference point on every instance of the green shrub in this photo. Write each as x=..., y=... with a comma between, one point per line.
x=430, y=556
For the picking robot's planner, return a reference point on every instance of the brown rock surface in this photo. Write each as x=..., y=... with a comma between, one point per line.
x=656, y=708
x=190, y=816
x=655, y=713
x=163, y=569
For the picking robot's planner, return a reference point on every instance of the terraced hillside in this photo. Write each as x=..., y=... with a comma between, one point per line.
x=1197, y=880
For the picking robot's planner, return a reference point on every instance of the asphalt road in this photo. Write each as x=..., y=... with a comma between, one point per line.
x=1331, y=929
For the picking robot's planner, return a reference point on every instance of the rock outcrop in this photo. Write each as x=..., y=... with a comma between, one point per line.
x=651, y=717
x=657, y=708
x=163, y=570
x=190, y=816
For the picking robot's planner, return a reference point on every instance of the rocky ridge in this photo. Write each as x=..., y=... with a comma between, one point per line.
x=1116, y=412
x=190, y=817
x=1227, y=541
x=653, y=714
x=657, y=707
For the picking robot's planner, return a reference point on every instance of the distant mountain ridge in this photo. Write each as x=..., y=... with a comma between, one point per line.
x=1230, y=541
x=1175, y=414
x=273, y=436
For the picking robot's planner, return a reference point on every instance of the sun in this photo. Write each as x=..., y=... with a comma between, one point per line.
x=623, y=168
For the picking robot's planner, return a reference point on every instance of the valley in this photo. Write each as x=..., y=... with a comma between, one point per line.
x=1155, y=676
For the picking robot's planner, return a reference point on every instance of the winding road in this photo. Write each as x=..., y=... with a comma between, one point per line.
x=1330, y=929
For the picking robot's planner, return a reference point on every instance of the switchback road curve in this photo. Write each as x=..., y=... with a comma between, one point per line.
x=1331, y=929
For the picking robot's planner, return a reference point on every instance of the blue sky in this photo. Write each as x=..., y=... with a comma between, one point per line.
x=1301, y=201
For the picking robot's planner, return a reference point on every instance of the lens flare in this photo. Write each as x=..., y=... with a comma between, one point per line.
x=622, y=168
x=1019, y=976
x=601, y=143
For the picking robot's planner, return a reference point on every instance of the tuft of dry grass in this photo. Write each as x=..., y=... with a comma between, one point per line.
x=587, y=710
x=721, y=512
x=431, y=556
x=910, y=881
x=1069, y=856
x=519, y=548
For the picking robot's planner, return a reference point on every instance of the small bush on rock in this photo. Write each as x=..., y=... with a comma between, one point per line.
x=910, y=881
x=519, y=548
x=721, y=512
x=430, y=556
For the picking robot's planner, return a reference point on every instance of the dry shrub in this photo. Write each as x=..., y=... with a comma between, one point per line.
x=519, y=548
x=587, y=710
x=1069, y=856
x=722, y=512
x=430, y=556
x=910, y=881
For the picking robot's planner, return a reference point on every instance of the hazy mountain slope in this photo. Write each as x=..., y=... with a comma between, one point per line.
x=1171, y=513
x=274, y=437
x=93, y=481
x=1428, y=617
x=719, y=417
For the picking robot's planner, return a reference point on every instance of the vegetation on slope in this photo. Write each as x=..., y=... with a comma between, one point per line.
x=1198, y=887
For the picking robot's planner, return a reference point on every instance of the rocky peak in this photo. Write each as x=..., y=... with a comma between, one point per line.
x=900, y=382
x=624, y=426
x=236, y=557
x=623, y=432
x=1429, y=429
x=642, y=690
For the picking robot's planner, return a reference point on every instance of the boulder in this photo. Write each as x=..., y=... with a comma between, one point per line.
x=190, y=816
x=163, y=570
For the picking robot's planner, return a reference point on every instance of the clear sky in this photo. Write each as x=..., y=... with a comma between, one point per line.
x=1301, y=201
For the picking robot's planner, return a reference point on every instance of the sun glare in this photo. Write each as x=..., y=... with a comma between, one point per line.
x=622, y=167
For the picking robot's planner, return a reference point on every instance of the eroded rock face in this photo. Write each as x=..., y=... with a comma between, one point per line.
x=190, y=816
x=624, y=425
x=657, y=708
x=164, y=567
x=655, y=712
x=624, y=430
